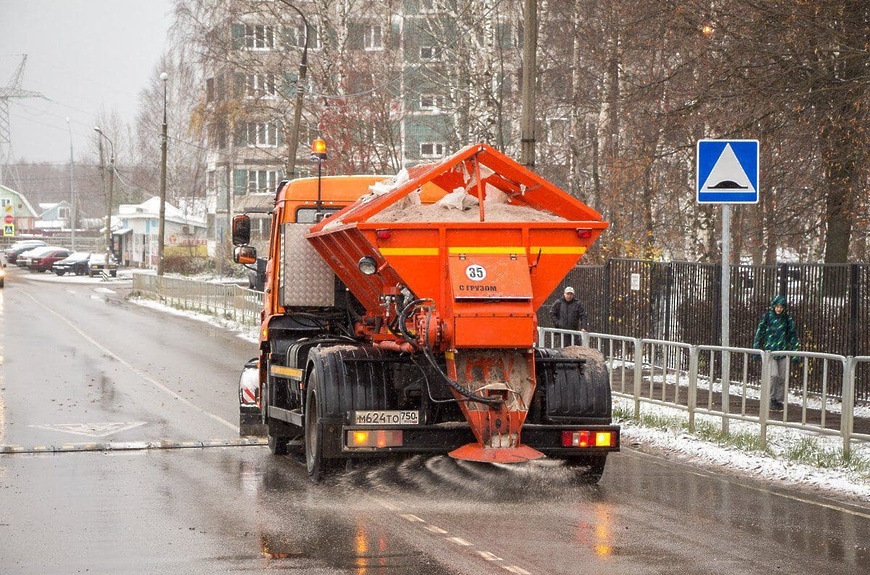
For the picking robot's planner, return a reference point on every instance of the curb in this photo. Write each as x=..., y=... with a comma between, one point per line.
x=130, y=446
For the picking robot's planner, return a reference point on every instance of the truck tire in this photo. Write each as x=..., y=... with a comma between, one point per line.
x=319, y=467
x=575, y=385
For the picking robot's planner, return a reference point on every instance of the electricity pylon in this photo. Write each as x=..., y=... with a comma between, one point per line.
x=11, y=90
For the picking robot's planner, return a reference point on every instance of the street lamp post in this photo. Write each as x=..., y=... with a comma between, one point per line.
x=300, y=87
x=111, y=186
x=162, y=223
x=318, y=154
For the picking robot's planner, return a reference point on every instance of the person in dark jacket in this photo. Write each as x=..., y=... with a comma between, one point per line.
x=568, y=313
x=776, y=331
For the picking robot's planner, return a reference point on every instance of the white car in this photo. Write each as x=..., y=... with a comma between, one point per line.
x=98, y=264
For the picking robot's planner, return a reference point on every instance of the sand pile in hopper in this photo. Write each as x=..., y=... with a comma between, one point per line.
x=493, y=212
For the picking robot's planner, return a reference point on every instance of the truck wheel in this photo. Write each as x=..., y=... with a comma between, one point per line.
x=588, y=470
x=319, y=467
x=574, y=384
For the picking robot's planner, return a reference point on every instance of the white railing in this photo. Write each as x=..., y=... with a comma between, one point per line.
x=689, y=377
x=231, y=302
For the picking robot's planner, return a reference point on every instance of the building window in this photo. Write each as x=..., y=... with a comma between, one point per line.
x=431, y=102
x=5, y=202
x=432, y=150
x=297, y=36
x=430, y=53
x=262, y=181
x=262, y=134
x=259, y=37
x=261, y=86
x=374, y=37
x=62, y=213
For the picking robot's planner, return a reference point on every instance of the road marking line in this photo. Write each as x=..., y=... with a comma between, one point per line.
x=411, y=518
x=460, y=541
x=91, y=429
x=434, y=529
x=489, y=556
x=135, y=370
x=515, y=569
x=389, y=506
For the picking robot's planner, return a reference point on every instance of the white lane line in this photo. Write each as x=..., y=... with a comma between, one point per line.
x=388, y=505
x=460, y=541
x=136, y=370
x=485, y=555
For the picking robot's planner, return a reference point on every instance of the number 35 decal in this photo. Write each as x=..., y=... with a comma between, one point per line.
x=475, y=272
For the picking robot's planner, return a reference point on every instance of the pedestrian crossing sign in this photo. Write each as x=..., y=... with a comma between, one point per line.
x=8, y=230
x=727, y=172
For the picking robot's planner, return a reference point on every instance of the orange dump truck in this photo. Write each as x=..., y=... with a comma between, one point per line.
x=406, y=323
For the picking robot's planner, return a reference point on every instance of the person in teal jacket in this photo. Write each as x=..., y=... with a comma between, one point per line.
x=776, y=331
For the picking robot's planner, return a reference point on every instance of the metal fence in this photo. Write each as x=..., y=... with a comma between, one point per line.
x=690, y=377
x=681, y=301
x=821, y=386
x=229, y=301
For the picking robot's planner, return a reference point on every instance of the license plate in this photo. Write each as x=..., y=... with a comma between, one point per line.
x=379, y=417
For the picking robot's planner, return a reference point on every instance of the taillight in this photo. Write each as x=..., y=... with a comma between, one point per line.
x=374, y=438
x=586, y=438
x=384, y=234
x=584, y=234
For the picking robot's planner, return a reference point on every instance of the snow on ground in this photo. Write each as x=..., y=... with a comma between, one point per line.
x=677, y=444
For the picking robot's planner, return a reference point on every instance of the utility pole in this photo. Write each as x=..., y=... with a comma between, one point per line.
x=293, y=144
x=111, y=186
x=161, y=228
x=530, y=76
x=72, y=192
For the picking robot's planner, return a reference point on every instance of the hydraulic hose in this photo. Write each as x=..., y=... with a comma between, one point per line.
x=427, y=351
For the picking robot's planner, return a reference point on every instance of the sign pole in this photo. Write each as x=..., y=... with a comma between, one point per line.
x=727, y=173
x=726, y=313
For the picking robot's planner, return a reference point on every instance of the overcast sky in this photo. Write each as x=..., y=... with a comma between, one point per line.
x=84, y=56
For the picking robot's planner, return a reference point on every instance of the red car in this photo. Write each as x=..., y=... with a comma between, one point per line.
x=43, y=259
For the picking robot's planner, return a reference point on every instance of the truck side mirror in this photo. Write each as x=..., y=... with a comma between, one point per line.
x=245, y=255
x=241, y=230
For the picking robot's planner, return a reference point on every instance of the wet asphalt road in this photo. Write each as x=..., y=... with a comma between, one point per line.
x=83, y=368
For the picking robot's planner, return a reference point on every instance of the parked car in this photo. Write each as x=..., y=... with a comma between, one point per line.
x=98, y=263
x=16, y=249
x=76, y=263
x=2, y=275
x=24, y=257
x=44, y=259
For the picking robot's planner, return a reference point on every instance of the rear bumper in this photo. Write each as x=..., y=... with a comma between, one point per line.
x=435, y=439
